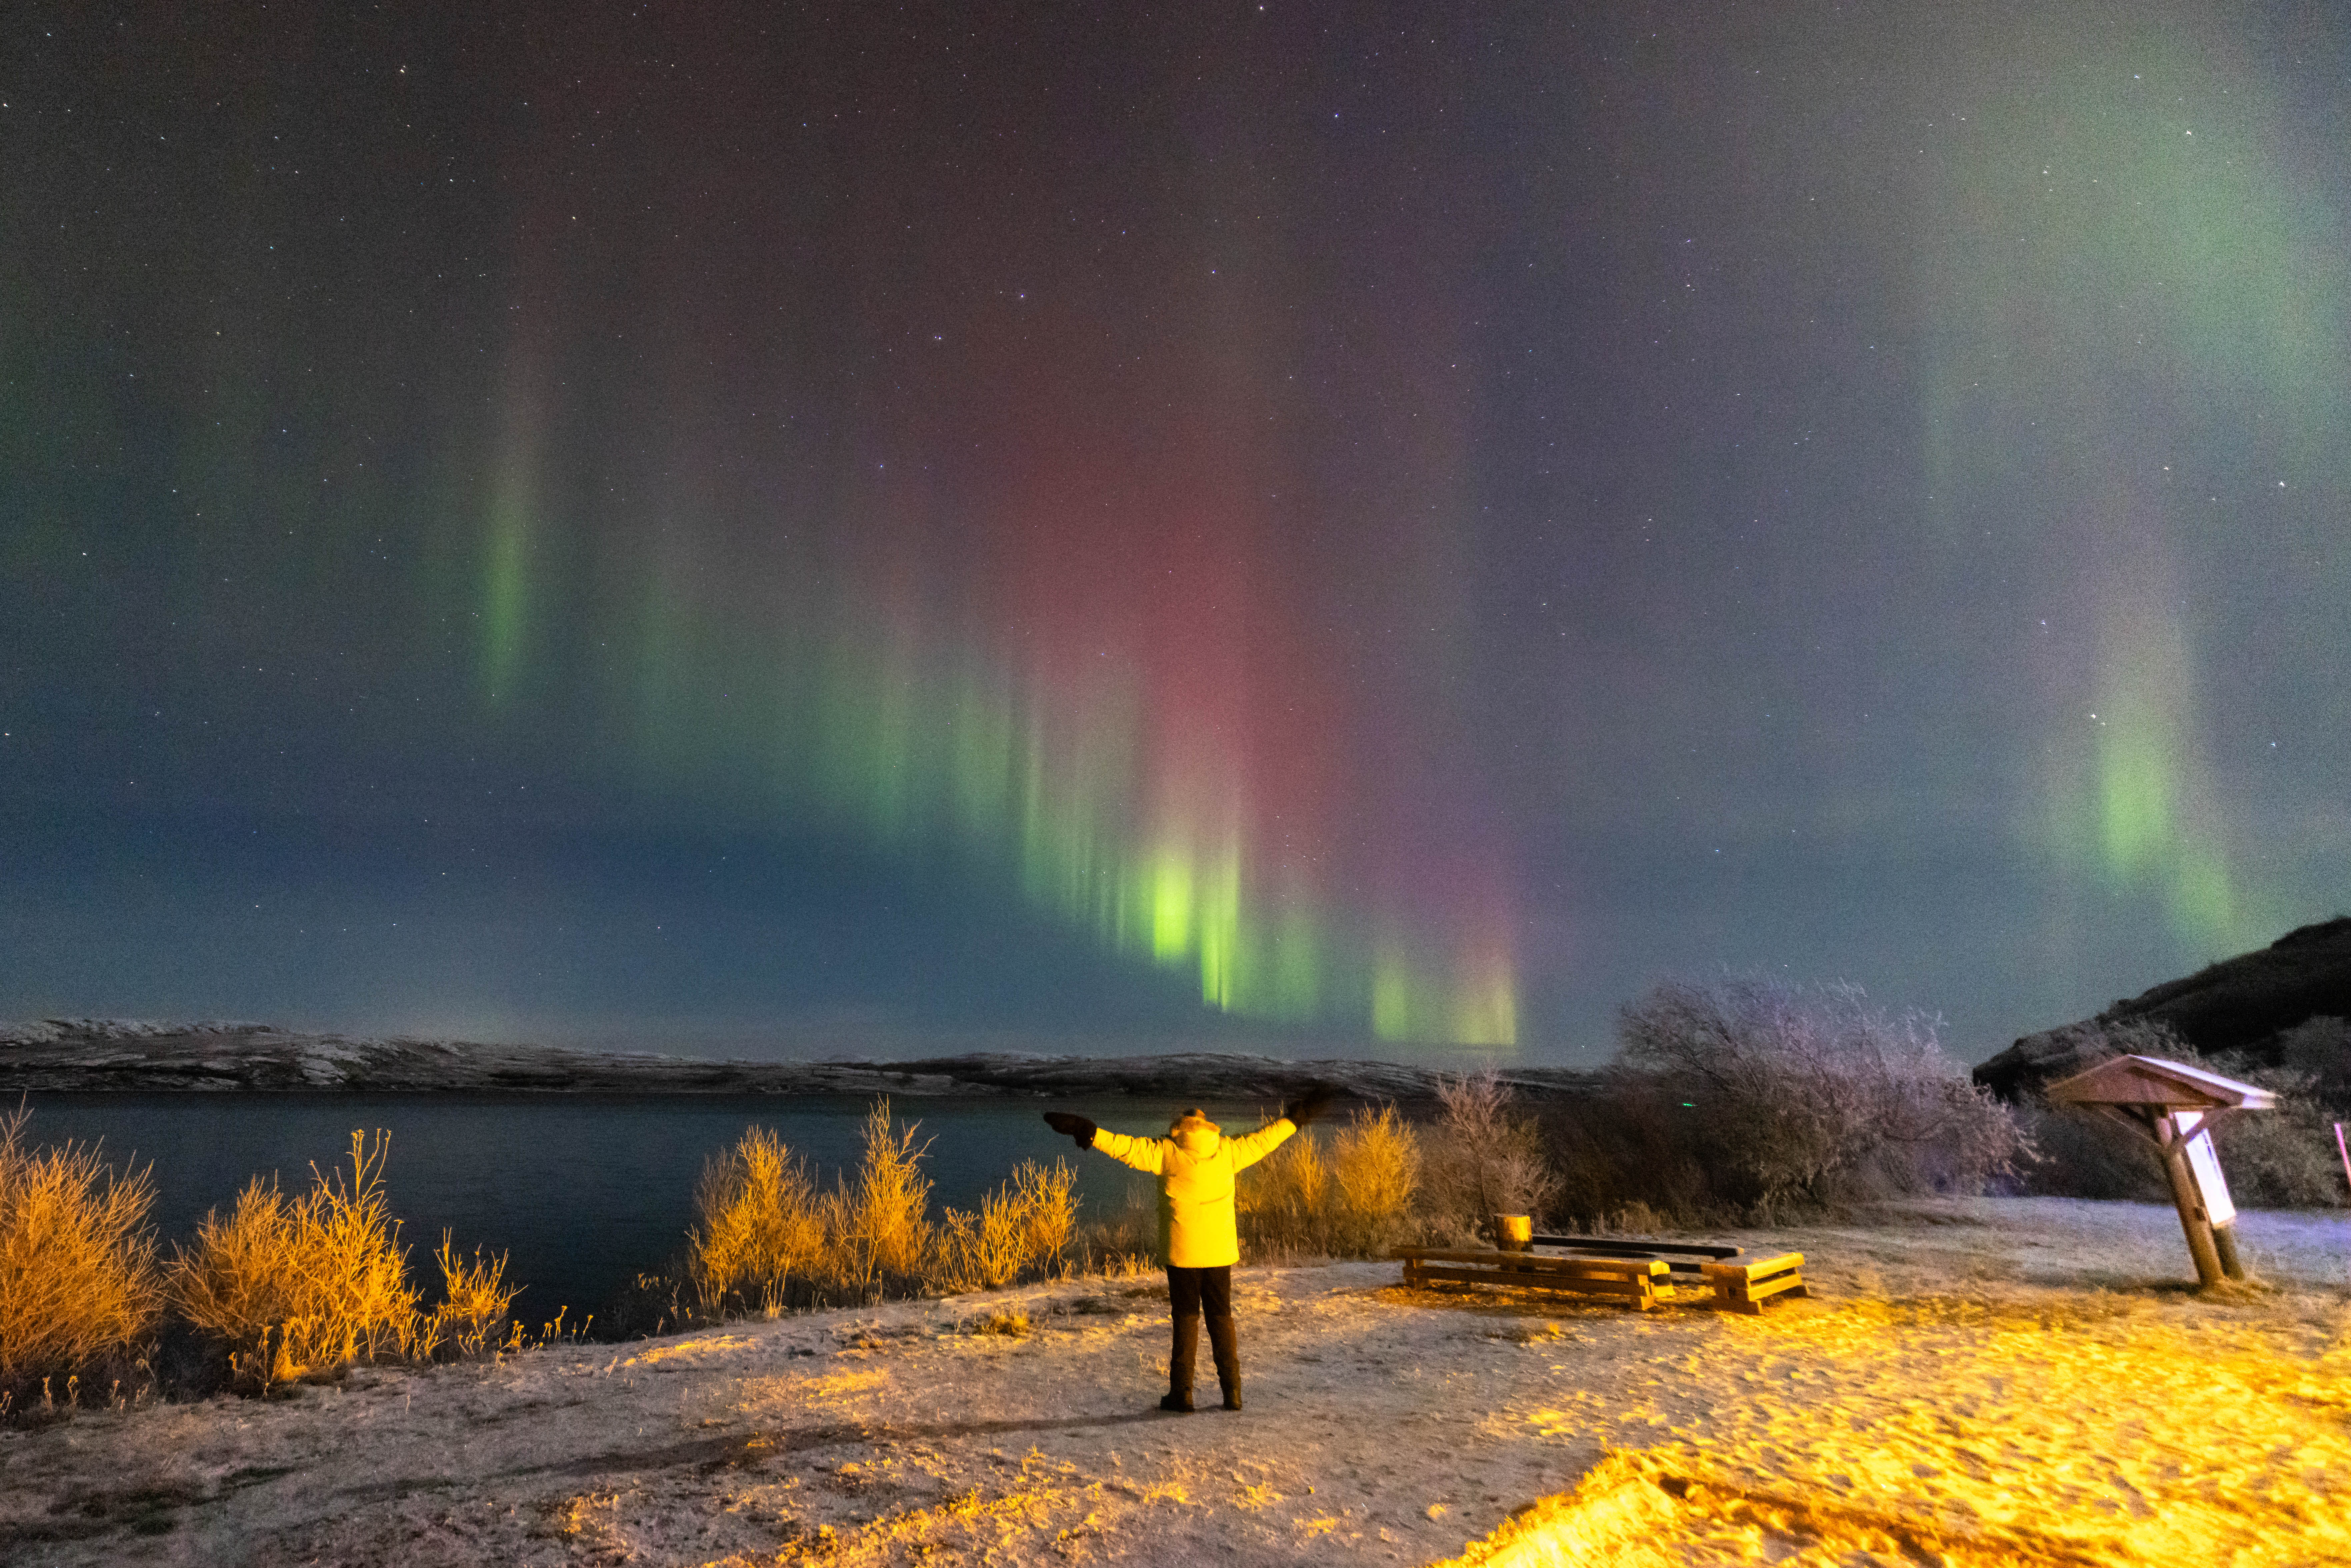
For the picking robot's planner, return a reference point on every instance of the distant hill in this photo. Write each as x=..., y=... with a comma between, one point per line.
x=113, y=1055
x=2260, y=1005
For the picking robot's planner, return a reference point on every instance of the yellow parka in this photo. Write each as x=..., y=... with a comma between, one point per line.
x=1195, y=1163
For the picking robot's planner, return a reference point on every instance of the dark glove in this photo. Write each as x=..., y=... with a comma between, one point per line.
x=1071, y=1127
x=1304, y=1107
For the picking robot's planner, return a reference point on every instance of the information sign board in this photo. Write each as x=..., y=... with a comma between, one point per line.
x=2204, y=1164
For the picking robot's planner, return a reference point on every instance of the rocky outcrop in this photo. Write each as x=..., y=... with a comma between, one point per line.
x=2256, y=1005
x=100, y=1055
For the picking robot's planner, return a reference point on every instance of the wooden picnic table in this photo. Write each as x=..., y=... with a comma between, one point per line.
x=1630, y=1269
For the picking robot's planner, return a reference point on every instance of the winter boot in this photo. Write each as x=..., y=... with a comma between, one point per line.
x=1180, y=1363
x=1224, y=1341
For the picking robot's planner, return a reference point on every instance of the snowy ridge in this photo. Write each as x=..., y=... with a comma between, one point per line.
x=138, y=1056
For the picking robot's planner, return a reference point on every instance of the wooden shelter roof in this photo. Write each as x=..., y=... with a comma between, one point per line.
x=2145, y=1080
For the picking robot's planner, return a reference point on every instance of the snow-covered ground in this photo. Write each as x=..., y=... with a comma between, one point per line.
x=1981, y=1382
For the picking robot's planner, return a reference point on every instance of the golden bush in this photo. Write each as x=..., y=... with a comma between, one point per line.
x=1124, y=1243
x=79, y=1280
x=1283, y=1202
x=1353, y=1194
x=1025, y=1225
x=298, y=1287
x=767, y=1237
x=758, y=1225
x=475, y=1303
x=877, y=1224
x=1047, y=1196
x=1375, y=1166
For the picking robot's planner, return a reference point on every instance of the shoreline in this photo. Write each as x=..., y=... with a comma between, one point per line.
x=83, y=1056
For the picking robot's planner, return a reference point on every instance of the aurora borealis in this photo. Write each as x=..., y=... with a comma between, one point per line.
x=813, y=528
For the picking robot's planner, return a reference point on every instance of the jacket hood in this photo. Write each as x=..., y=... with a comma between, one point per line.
x=1195, y=1134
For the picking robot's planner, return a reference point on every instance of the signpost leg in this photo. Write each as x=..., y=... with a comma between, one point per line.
x=2200, y=1245
x=2192, y=1136
x=2224, y=1243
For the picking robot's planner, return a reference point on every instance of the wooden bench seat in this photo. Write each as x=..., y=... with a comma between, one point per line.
x=1744, y=1282
x=1630, y=1271
x=1740, y=1281
x=1633, y=1279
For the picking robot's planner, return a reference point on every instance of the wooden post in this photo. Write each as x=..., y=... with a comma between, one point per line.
x=2200, y=1243
x=2224, y=1241
x=2194, y=1131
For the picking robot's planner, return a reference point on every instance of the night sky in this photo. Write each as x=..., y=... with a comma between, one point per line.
x=1288, y=528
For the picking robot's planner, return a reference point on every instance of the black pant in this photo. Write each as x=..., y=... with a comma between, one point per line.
x=1188, y=1292
x=1192, y=1290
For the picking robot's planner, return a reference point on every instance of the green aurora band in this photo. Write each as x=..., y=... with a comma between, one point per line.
x=840, y=712
x=2127, y=303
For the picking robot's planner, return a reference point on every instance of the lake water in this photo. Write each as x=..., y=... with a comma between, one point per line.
x=583, y=1194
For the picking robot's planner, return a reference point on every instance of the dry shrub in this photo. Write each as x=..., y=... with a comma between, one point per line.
x=1048, y=1201
x=758, y=1227
x=1350, y=1196
x=303, y=1287
x=79, y=1285
x=877, y=1224
x=1796, y=1096
x=1282, y=1204
x=1024, y=1227
x=1377, y=1165
x=768, y=1239
x=1621, y=1157
x=2320, y=1046
x=475, y=1303
x=1484, y=1158
x=2283, y=1158
x=1122, y=1244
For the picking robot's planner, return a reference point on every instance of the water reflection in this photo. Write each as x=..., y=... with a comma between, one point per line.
x=584, y=1192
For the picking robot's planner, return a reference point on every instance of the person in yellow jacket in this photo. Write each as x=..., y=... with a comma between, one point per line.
x=1198, y=1245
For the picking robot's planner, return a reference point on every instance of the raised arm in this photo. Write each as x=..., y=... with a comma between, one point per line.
x=1251, y=1147
x=1143, y=1154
